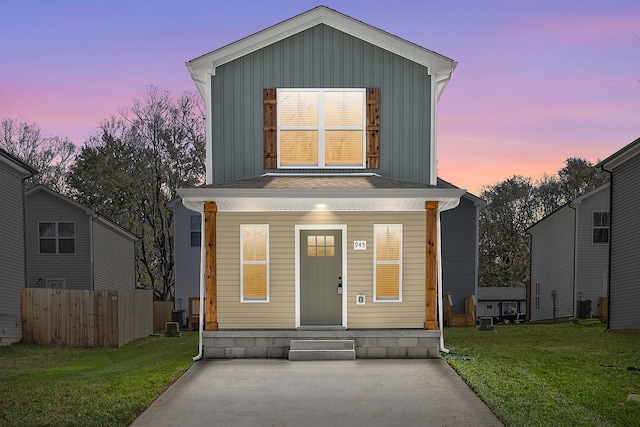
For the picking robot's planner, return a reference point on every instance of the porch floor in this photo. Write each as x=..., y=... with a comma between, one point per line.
x=275, y=343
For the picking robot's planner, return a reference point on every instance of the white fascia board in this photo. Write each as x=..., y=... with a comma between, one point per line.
x=582, y=198
x=205, y=65
x=626, y=153
x=243, y=200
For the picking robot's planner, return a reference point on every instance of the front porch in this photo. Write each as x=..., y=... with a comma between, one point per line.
x=370, y=344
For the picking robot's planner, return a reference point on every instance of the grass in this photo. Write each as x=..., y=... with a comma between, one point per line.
x=530, y=375
x=561, y=374
x=63, y=386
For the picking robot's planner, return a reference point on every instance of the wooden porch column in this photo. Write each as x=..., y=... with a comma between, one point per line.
x=211, y=295
x=431, y=267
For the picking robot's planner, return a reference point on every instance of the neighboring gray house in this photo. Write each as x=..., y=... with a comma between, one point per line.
x=70, y=246
x=459, y=253
x=460, y=240
x=321, y=206
x=624, y=261
x=13, y=172
x=502, y=301
x=569, y=256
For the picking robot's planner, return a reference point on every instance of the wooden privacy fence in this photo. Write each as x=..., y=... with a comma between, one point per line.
x=161, y=314
x=86, y=318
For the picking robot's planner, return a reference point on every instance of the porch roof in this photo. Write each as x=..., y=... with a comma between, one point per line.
x=359, y=192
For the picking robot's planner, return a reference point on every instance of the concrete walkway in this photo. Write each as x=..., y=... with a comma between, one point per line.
x=271, y=392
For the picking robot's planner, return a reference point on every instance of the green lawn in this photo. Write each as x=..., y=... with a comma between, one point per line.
x=62, y=386
x=529, y=375
x=561, y=374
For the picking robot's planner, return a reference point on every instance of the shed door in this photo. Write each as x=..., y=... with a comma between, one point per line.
x=320, y=277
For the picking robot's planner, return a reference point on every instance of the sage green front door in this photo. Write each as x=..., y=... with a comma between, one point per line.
x=320, y=277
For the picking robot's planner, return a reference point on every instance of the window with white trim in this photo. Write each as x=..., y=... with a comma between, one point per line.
x=537, y=294
x=195, y=230
x=321, y=128
x=254, y=263
x=600, y=227
x=387, y=276
x=57, y=238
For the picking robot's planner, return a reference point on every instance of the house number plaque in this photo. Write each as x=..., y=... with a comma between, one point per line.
x=359, y=245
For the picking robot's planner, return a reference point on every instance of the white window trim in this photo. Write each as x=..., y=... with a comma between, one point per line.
x=57, y=238
x=595, y=227
x=537, y=296
x=321, y=128
x=243, y=262
x=195, y=230
x=375, y=263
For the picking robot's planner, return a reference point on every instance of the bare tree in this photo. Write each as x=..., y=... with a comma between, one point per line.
x=51, y=156
x=133, y=167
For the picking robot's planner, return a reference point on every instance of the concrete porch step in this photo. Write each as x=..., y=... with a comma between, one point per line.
x=322, y=350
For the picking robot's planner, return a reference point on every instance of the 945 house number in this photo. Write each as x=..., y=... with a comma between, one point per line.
x=359, y=245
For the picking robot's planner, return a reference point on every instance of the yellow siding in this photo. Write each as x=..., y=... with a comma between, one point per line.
x=279, y=312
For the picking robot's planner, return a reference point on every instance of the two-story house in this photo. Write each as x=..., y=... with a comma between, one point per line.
x=70, y=246
x=569, y=259
x=13, y=172
x=624, y=259
x=321, y=208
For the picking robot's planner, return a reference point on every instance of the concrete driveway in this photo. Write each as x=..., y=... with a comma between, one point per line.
x=270, y=392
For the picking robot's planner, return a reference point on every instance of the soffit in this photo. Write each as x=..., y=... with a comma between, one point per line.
x=331, y=193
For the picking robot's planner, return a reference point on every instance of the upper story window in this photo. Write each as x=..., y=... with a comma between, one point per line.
x=321, y=128
x=57, y=237
x=195, y=230
x=600, y=227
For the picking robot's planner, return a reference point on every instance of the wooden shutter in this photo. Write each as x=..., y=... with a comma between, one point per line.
x=373, y=128
x=270, y=129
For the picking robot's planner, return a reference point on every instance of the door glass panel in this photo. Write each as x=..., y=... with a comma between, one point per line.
x=320, y=246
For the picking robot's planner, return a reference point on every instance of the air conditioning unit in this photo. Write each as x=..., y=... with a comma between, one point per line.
x=485, y=324
x=172, y=329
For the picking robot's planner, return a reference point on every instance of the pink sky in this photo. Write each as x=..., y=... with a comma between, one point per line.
x=537, y=82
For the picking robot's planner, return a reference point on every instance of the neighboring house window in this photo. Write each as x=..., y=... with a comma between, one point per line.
x=57, y=237
x=195, y=228
x=537, y=296
x=254, y=263
x=56, y=284
x=490, y=306
x=321, y=128
x=387, y=277
x=600, y=227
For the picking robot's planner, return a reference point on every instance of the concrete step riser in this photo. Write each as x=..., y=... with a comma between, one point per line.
x=322, y=345
x=296, y=355
x=322, y=350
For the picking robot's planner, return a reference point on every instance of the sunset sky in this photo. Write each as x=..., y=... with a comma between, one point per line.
x=537, y=81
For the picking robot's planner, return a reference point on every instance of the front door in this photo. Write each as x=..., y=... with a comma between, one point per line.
x=320, y=277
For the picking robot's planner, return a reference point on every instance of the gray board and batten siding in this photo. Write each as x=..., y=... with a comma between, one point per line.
x=624, y=292
x=321, y=57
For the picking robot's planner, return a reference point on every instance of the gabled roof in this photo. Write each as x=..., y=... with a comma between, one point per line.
x=24, y=169
x=568, y=205
x=205, y=65
x=625, y=153
x=89, y=212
